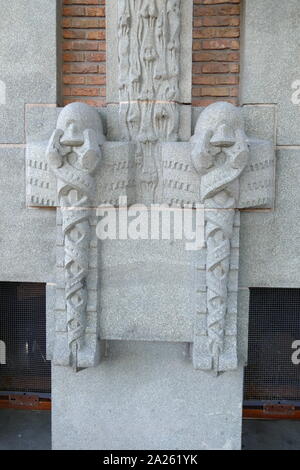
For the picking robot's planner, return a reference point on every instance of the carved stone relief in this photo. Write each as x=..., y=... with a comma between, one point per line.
x=149, y=48
x=220, y=169
x=74, y=153
x=220, y=155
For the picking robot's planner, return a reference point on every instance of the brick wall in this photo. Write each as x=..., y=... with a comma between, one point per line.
x=84, y=47
x=216, y=47
x=215, y=51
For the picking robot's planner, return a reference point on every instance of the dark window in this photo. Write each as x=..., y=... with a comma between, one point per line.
x=274, y=325
x=23, y=330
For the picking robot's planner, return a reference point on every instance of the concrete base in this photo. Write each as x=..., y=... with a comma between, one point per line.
x=146, y=396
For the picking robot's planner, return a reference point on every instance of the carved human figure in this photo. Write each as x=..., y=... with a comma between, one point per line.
x=74, y=152
x=220, y=154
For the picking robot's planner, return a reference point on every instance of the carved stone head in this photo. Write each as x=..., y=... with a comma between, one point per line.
x=220, y=147
x=74, y=119
x=77, y=138
x=220, y=127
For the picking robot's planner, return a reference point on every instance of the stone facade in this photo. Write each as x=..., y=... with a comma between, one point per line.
x=155, y=334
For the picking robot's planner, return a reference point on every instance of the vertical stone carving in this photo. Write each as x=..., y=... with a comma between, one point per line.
x=220, y=155
x=149, y=48
x=74, y=153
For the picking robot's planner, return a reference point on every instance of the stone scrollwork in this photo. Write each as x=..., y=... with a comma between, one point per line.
x=220, y=155
x=74, y=152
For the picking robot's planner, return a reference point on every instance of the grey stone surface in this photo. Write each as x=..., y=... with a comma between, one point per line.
x=27, y=236
x=112, y=63
x=270, y=240
x=28, y=66
x=271, y=43
x=126, y=298
x=50, y=319
x=114, y=131
x=146, y=396
x=40, y=181
x=260, y=121
x=147, y=290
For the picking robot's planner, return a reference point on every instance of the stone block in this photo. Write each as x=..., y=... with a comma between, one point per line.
x=28, y=61
x=27, y=240
x=152, y=383
x=268, y=76
x=269, y=240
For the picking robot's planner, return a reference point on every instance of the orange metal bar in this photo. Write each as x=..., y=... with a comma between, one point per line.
x=250, y=413
x=41, y=405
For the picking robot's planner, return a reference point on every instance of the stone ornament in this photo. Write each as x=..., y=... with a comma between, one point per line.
x=220, y=155
x=74, y=153
x=215, y=169
x=149, y=51
x=194, y=297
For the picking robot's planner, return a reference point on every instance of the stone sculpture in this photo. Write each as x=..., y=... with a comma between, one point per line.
x=149, y=82
x=220, y=155
x=220, y=169
x=74, y=152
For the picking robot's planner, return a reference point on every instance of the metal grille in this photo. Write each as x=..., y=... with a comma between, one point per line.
x=23, y=330
x=274, y=324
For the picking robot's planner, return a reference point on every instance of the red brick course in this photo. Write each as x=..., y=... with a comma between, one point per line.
x=84, y=46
